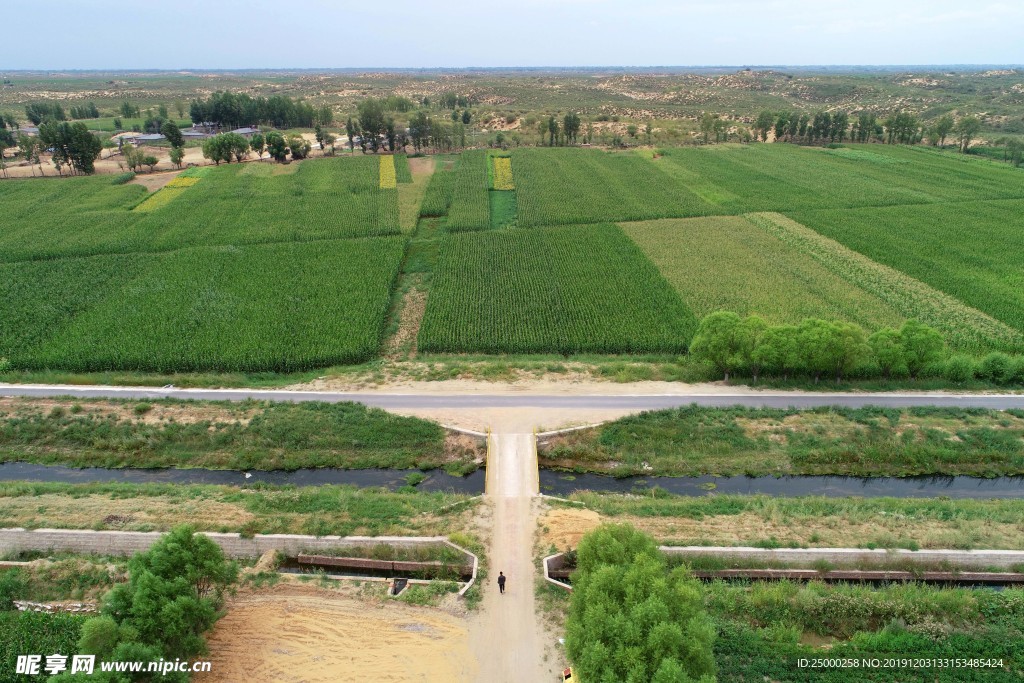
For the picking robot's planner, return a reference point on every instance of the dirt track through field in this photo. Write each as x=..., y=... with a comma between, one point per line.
x=506, y=633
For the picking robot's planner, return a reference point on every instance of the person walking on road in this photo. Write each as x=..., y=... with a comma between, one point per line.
x=501, y=582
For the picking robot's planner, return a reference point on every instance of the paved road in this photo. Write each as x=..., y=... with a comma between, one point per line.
x=401, y=401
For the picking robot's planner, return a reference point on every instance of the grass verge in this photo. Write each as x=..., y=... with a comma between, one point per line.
x=765, y=441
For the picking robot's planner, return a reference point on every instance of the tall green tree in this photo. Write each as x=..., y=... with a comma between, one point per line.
x=764, y=122
x=966, y=128
x=372, y=122
x=277, y=148
x=552, y=130
x=778, y=351
x=887, y=349
x=717, y=341
x=258, y=143
x=173, y=134
x=173, y=593
x=571, y=127
x=72, y=144
x=351, y=132
x=943, y=127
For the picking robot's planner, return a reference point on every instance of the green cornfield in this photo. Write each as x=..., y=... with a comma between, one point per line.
x=470, y=205
x=565, y=290
x=971, y=251
x=439, y=193
x=234, y=204
x=965, y=328
x=568, y=186
x=273, y=307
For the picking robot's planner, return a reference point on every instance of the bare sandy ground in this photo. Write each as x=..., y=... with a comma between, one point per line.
x=302, y=634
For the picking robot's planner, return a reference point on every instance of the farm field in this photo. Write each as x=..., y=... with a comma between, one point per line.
x=743, y=178
x=230, y=204
x=567, y=289
x=280, y=307
x=753, y=273
x=969, y=250
x=470, y=203
x=110, y=276
x=570, y=186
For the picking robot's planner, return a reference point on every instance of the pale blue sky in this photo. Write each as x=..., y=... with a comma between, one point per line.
x=212, y=34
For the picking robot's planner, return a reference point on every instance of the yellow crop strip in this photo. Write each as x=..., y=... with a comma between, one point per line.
x=388, y=179
x=160, y=198
x=183, y=181
x=503, y=174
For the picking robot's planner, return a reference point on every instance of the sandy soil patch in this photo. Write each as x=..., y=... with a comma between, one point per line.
x=128, y=514
x=155, y=181
x=300, y=633
x=563, y=527
x=414, y=303
x=421, y=165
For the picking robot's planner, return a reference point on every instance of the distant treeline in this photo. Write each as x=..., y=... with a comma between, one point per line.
x=901, y=127
x=234, y=110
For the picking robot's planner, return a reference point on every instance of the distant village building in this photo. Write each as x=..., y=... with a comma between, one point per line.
x=246, y=132
x=147, y=139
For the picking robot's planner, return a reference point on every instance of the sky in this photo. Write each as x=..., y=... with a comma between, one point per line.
x=226, y=34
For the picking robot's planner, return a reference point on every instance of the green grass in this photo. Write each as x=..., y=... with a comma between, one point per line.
x=280, y=307
x=503, y=208
x=753, y=273
x=765, y=628
x=218, y=435
x=231, y=204
x=561, y=290
x=762, y=441
x=969, y=250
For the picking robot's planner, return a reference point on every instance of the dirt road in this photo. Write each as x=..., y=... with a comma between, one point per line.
x=299, y=633
x=506, y=633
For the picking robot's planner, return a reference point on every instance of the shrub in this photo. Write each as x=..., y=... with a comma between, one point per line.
x=997, y=367
x=960, y=368
x=122, y=178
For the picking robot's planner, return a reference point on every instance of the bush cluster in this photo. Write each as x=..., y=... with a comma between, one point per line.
x=750, y=346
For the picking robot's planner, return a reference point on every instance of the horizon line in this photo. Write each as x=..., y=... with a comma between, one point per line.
x=511, y=68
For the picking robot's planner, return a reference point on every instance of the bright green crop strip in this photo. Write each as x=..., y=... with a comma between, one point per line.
x=566, y=290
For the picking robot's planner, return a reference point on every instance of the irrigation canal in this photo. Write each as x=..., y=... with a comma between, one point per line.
x=551, y=482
